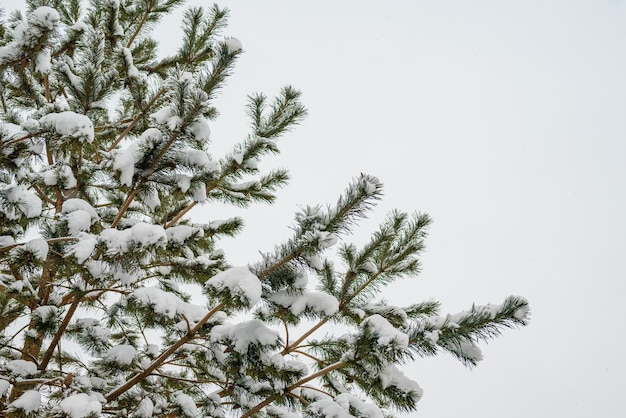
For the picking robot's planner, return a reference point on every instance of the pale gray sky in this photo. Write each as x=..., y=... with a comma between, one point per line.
x=504, y=120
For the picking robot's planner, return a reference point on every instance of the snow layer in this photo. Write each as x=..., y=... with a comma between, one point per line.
x=69, y=124
x=124, y=160
x=132, y=71
x=145, y=408
x=197, y=158
x=186, y=404
x=42, y=61
x=30, y=401
x=4, y=386
x=38, y=247
x=47, y=312
x=81, y=405
x=469, y=350
x=181, y=233
x=233, y=44
x=520, y=313
x=315, y=301
x=78, y=221
x=200, y=129
x=392, y=377
x=386, y=333
x=329, y=408
x=21, y=368
x=168, y=304
x=24, y=200
x=29, y=33
x=72, y=205
x=240, y=282
x=365, y=410
x=45, y=17
x=83, y=248
x=141, y=234
x=280, y=412
x=245, y=333
x=122, y=354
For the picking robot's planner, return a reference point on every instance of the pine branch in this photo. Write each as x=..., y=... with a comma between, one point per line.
x=117, y=392
x=293, y=346
x=296, y=385
x=144, y=18
x=136, y=120
x=59, y=333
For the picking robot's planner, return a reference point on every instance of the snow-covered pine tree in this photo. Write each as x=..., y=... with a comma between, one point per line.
x=104, y=149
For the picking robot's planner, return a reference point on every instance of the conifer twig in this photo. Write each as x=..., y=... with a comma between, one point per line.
x=115, y=393
x=288, y=349
x=144, y=18
x=136, y=120
x=299, y=383
x=57, y=336
x=4, y=105
x=133, y=194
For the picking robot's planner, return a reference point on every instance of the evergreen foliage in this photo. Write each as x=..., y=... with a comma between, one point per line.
x=104, y=150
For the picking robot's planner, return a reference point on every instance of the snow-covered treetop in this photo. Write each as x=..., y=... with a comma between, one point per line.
x=115, y=303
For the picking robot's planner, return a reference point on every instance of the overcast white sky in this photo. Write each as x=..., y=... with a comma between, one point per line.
x=504, y=120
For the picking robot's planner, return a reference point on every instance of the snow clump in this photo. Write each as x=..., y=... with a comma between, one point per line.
x=244, y=334
x=69, y=124
x=315, y=301
x=121, y=354
x=38, y=247
x=30, y=401
x=45, y=17
x=387, y=333
x=21, y=368
x=18, y=198
x=81, y=405
x=186, y=404
x=239, y=282
x=168, y=304
x=392, y=377
x=80, y=215
x=141, y=234
x=233, y=44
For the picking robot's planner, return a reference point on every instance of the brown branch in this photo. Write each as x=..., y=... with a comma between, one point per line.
x=317, y=390
x=16, y=140
x=295, y=344
x=4, y=105
x=299, y=383
x=43, y=195
x=24, y=353
x=117, y=124
x=57, y=336
x=300, y=398
x=47, y=88
x=49, y=241
x=190, y=206
x=150, y=169
x=343, y=304
x=50, y=382
x=49, y=154
x=116, y=393
x=286, y=332
x=278, y=265
x=124, y=208
x=140, y=25
x=136, y=120
x=180, y=215
x=304, y=353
